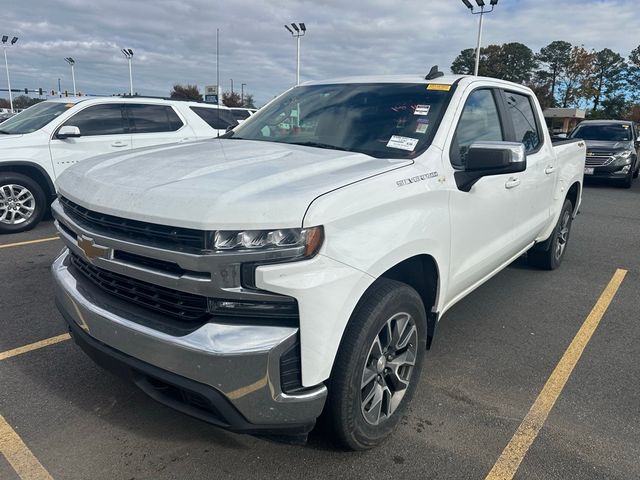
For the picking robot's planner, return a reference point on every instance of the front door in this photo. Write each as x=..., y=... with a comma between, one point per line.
x=482, y=219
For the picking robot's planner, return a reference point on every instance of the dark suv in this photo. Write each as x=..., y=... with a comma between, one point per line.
x=612, y=149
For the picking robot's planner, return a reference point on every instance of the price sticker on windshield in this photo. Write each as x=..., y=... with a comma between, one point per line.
x=422, y=110
x=402, y=143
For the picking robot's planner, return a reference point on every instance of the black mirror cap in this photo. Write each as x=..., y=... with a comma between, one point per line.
x=479, y=158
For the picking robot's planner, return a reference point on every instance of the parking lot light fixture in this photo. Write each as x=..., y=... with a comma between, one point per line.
x=128, y=53
x=299, y=30
x=5, y=44
x=482, y=12
x=72, y=62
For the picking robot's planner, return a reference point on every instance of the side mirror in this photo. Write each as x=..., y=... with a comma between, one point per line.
x=561, y=135
x=68, y=131
x=490, y=158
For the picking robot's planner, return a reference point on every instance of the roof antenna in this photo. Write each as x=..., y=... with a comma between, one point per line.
x=434, y=73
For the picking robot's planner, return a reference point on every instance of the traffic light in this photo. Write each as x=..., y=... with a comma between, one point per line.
x=66, y=93
x=40, y=91
x=53, y=92
x=26, y=91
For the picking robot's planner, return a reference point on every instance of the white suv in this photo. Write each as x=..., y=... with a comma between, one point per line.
x=39, y=143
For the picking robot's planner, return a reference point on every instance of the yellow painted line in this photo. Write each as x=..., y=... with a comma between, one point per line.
x=19, y=456
x=28, y=242
x=34, y=346
x=507, y=465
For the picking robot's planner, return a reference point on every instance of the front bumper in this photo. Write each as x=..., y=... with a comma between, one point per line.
x=612, y=172
x=224, y=373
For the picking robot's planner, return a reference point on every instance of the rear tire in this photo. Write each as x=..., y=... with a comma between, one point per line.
x=377, y=366
x=23, y=203
x=551, y=257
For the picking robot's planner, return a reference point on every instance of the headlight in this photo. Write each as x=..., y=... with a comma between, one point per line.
x=307, y=240
x=625, y=156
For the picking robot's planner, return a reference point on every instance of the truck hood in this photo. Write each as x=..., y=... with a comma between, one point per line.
x=216, y=184
x=608, y=145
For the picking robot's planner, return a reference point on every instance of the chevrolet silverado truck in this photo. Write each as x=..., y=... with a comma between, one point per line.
x=300, y=264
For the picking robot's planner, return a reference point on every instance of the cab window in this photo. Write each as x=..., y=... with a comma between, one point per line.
x=524, y=120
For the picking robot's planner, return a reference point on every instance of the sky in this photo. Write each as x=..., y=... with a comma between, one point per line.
x=174, y=41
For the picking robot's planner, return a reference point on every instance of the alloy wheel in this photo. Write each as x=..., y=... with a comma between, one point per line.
x=387, y=370
x=563, y=234
x=17, y=204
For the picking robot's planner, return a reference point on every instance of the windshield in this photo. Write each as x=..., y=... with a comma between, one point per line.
x=608, y=133
x=34, y=118
x=381, y=120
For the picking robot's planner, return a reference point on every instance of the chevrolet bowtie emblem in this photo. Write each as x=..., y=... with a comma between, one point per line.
x=90, y=249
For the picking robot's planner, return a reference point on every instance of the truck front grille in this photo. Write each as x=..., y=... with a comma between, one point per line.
x=175, y=238
x=173, y=303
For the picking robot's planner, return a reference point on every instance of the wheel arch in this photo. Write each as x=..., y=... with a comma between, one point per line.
x=421, y=272
x=34, y=171
x=574, y=195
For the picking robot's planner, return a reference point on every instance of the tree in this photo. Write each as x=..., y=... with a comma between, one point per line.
x=633, y=74
x=248, y=101
x=554, y=58
x=23, y=101
x=608, y=75
x=514, y=62
x=231, y=99
x=4, y=103
x=465, y=62
x=186, y=92
x=574, y=81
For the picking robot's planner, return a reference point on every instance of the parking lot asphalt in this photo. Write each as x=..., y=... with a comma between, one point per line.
x=492, y=355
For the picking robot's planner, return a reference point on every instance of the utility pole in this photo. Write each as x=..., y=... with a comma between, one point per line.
x=242, y=94
x=218, y=64
x=298, y=31
x=482, y=12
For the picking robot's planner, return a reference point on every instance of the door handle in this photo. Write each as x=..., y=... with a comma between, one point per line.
x=512, y=183
x=119, y=144
x=549, y=170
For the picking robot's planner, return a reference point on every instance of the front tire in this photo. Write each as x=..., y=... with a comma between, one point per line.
x=378, y=365
x=22, y=203
x=551, y=257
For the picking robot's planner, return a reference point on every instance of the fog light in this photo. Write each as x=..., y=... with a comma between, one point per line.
x=240, y=308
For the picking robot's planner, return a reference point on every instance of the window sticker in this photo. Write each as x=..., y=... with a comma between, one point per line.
x=422, y=126
x=439, y=86
x=402, y=143
x=422, y=110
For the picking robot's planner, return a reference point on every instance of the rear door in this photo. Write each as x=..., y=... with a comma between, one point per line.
x=537, y=181
x=154, y=124
x=482, y=219
x=102, y=129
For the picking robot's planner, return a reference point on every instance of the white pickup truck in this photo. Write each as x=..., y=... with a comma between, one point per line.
x=302, y=263
x=39, y=143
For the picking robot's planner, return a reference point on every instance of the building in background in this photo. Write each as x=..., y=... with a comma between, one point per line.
x=563, y=120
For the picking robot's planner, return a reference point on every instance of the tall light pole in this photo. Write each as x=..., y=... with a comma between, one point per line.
x=231, y=85
x=298, y=31
x=482, y=5
x=242, y=94
x=128, y=53
x=5, y=39
x=72, y=62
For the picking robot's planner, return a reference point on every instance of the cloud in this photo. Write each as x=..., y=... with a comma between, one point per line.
x=175, y=41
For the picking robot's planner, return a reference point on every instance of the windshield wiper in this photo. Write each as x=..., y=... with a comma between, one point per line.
x=320, y=145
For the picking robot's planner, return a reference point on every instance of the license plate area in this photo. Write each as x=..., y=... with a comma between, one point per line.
x=588, y=170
